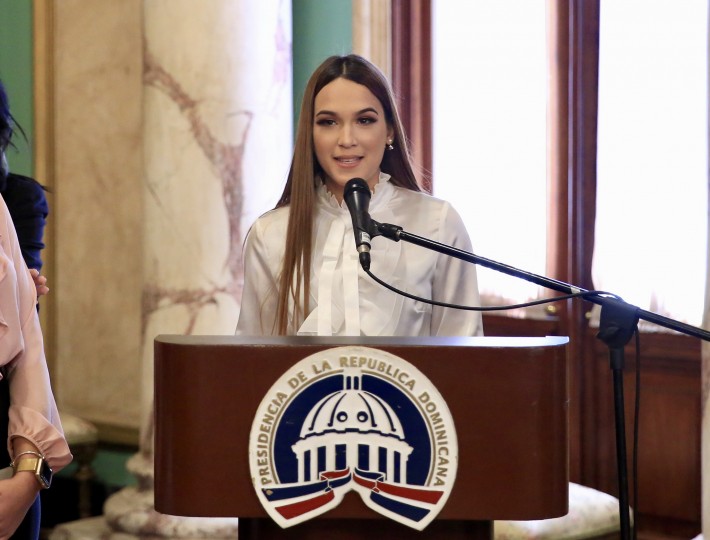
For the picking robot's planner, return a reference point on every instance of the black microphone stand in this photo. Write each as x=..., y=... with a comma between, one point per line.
x=617, y=325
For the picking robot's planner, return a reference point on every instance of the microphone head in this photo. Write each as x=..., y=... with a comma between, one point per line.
x=356, y=185
x=357, y=198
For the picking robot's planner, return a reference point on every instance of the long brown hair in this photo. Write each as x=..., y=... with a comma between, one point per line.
x=305, y=175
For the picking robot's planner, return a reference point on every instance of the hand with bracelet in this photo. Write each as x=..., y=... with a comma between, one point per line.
x=31, y=474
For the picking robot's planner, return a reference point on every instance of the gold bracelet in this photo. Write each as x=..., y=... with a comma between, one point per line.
x=26, y=452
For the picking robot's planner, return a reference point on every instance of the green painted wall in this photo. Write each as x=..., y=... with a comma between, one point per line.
x=16, y=74
x=321, y=28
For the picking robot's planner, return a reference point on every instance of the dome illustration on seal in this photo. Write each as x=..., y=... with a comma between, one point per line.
x=353, y=419
x=355, y=429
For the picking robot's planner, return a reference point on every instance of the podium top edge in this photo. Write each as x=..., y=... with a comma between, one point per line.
x=373, y=341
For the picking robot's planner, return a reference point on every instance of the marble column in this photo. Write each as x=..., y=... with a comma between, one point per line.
x=217, y=139
x=216, y=104
x=372, y=32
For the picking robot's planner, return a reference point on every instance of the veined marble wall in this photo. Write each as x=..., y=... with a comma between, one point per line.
x=217, y=147
x=172, y=134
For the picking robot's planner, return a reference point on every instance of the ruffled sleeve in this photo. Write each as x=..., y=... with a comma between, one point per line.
x=33, y=411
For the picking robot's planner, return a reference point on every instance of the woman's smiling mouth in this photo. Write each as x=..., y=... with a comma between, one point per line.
x=348, y=161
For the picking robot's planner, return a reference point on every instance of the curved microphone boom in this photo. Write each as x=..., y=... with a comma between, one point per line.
x=357, y=198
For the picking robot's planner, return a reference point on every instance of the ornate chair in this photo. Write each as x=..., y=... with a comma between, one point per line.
x=592, y=515
x=83, y=440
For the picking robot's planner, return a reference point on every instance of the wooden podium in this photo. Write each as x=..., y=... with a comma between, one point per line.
x=508, y=398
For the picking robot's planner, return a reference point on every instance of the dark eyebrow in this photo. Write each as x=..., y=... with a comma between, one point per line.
x=368, y=109
x=363, y=111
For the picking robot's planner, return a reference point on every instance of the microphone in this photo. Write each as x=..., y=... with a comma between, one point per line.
x=357, y=198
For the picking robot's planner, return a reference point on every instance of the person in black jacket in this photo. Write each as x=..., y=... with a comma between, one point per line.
x=25, y=199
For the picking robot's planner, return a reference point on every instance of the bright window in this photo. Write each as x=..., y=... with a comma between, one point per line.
x=652, y=169
x=490, y=91
x=490, y=137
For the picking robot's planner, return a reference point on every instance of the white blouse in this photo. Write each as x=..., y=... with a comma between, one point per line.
x=345, y=301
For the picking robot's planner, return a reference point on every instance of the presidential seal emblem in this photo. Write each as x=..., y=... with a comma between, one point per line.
x=353, y=419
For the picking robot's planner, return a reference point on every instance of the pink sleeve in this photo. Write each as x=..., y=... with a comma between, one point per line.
x=33, y=411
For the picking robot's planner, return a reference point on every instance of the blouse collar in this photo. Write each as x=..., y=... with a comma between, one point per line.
x=381, y=193
x=338, y=289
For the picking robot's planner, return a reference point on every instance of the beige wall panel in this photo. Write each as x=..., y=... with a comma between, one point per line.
x=98, y=208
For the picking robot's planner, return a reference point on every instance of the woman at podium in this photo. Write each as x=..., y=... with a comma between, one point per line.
x=302, y=275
